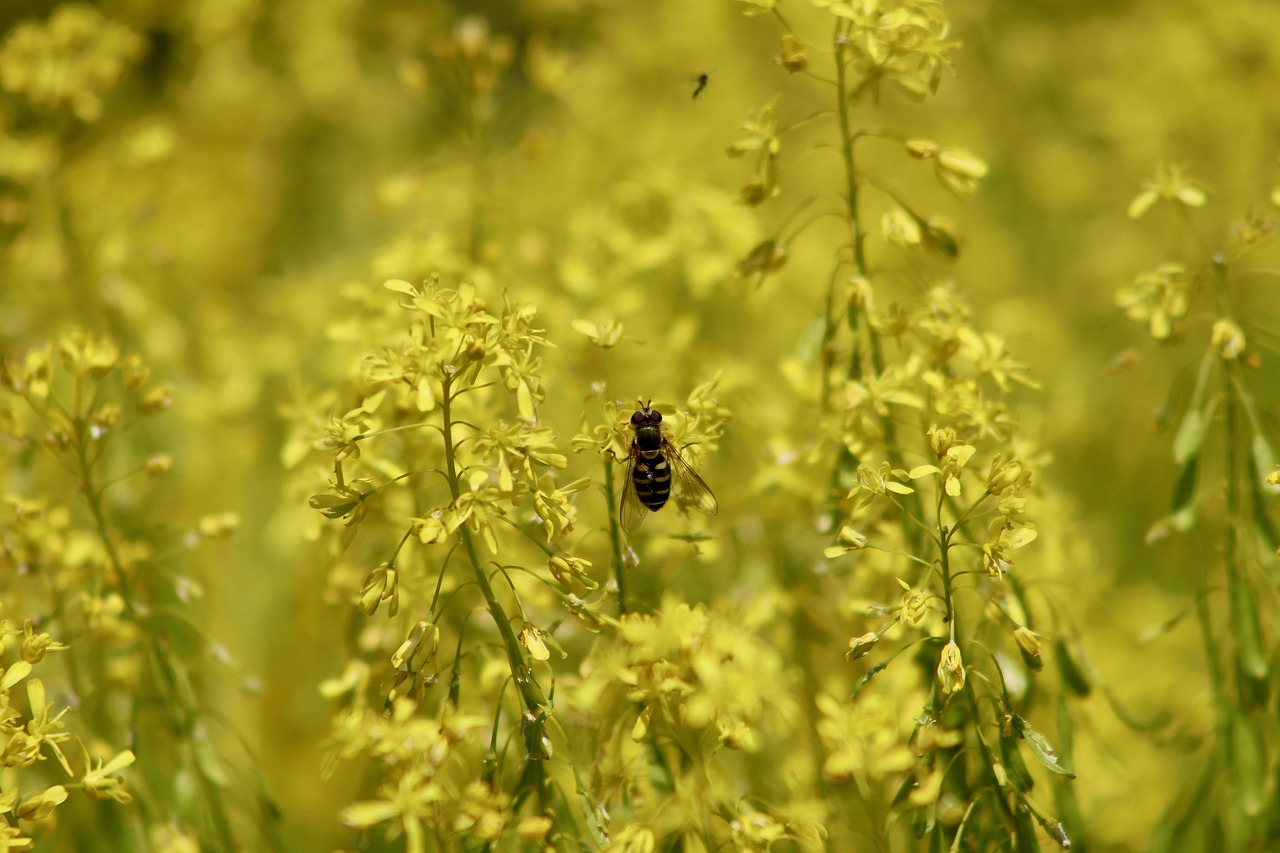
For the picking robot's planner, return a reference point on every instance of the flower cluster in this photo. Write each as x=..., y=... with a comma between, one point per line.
x=691, y=682
x=423, y=793
x=68, y=63
x=82, y=570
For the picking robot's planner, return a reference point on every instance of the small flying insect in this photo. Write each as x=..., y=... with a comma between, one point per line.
x=656, y=471
x=702, y=80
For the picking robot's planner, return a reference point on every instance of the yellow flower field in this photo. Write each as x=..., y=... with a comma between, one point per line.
x=572, y=425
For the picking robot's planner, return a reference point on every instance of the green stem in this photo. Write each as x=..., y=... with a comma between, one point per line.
x=180, y=707
x=846, y=152
x=857, y=239
x=615, y=537
x=83, y=296
x=530, y=692
x=1231, y=544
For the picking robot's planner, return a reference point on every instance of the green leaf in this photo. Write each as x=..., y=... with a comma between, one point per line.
x=810, y=344
x=1014, y=767
x=1073, y=674
x=1263, y=457
x=1040, y=747
x=208, y=761
x=1184, y=491
x=1024, y=831
x=1154, y=632
x=1248, y=766
x=1186, y=444
x=1244, y=617
x=1066, y=730
x=1263, y=462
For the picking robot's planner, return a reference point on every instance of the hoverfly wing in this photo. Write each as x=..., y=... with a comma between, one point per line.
x=690, y=491
x=630, y=511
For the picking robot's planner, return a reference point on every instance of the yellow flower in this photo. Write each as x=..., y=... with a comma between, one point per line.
x=914, y=604
x=85, y=355
x=1229, y=338
x=861, y=646
x=40, y=806
x=927, y=789
x=633, y=838
x=884, y=480
x=156, y=400
x=952, y=456
x=381, y=584
x=35, y=646
x=959, y=171
x=1005, y=536
x=1169, y=183
x=847, y=540
x=900, y=227
x=572, y=572
x=418, y=652
x=864, y=739
x=103, y=783
x=1160, y=298
x=534, y=828
x=604, y=335
x=69, y=62
x=531, y=638
x=951, y=669
x=1029, y=647
x=483, y=812
x=1006, y=476
x=793, y=57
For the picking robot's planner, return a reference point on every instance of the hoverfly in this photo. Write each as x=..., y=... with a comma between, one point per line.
x=655, y=471
x=702, y=80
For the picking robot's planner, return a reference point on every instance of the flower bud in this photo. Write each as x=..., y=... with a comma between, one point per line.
x=1029, y=646
x=951, y=669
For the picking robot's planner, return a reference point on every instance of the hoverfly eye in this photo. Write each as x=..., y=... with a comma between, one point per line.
x=655, y=417
x=637, y=418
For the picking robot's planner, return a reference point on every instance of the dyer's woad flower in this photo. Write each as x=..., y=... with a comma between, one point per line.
x=901, y=228
x=951, y=669
x=346, y=501
x=69, y=62
x=1008, y=477
x=860, y=647
x=1160, y=298
x=952, y=455
x=692, y=671
x=793, y=56
x=868, y=401
x=605, y=335
x=1228, y=338
x=956, y=170
x=903, y=42
x=572, y=572
x=35, y=646
x=847, y=540
x=915, y=604
x=102, y=779
x=1170, y=183
x=515, y=449
x=988, y=354
x=1028, y=642
x=493, y=465
x=611, y=435
x=1005, y=535
x=876, y=482
x=421, y=760
x=865, y=740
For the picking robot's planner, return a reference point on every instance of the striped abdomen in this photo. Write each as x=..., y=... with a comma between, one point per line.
x=652, y=478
